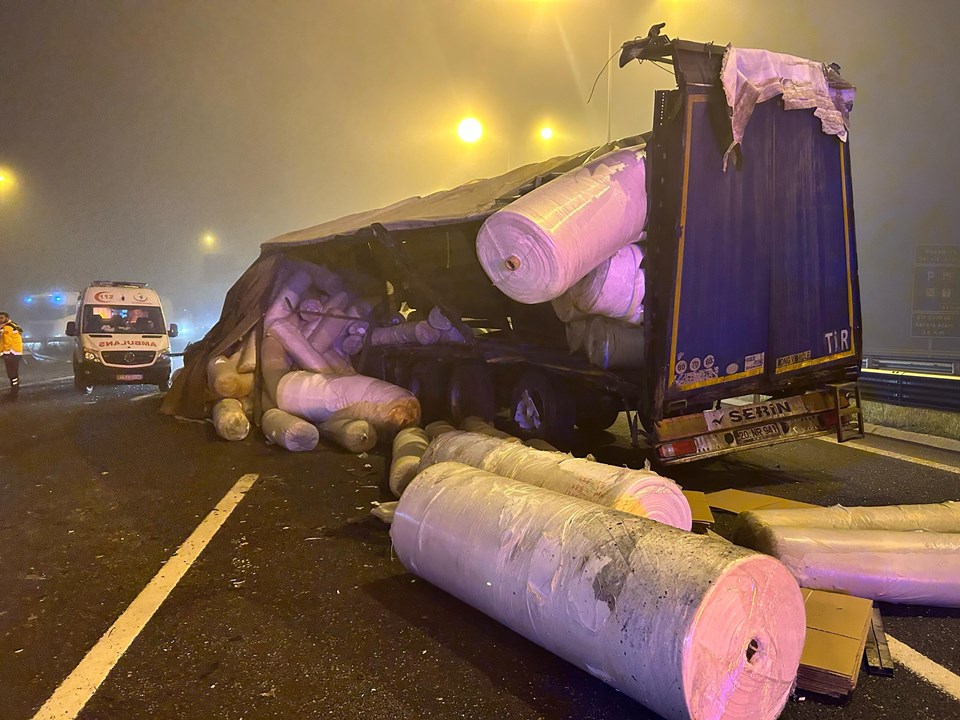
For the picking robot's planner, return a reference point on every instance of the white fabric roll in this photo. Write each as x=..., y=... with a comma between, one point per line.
x=614, y=345
x=638, y=492
x=564, y=308
x=229, y=420
x=892, y=566
x=352, y=344
x=224, y=380
x=576, y=331
x=937, y=517
x=408, y=448
x=476, y=424
x=438, y=320
x=274, y=364
x=288, y=296
x=355, y=435
x=247, y=362
x=289, y=431
x=406, y=333
x=689, y=626
x=318, y=398
x=298, y=348
x=323, y=335
x=438, y=427
x=614, y=288
x=537, y=247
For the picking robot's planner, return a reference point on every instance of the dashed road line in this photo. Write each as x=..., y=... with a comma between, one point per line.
x=76, y=690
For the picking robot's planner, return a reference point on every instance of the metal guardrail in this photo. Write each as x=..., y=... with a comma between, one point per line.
x=933, y=392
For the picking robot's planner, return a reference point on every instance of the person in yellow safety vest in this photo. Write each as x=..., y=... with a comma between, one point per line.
x=11, y=348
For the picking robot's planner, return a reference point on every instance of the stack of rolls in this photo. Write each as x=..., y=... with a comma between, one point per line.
x=540, y=245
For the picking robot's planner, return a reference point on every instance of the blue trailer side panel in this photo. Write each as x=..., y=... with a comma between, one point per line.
x=763, y=296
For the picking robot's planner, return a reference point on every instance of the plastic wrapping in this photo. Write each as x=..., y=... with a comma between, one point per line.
x=229, y=420
x=638, y=492
x=352, y=344
x=614, y=288
x=406, y=333
x=408, y=448
x=384, y=511
x=274, y=364
x=438, y=320
x=895, y=553
x=888, y=565
x=438, y=427
x=939, y=517
x=354, y=435
x=289, y=431
x=576, y=333
x=475, y=424
x=565, y=310
x=318, y=398
x=288, y=333
x=288, y=295
x=689, y=626
x=224, y=380
x=614, y=345
x=247, y=362
x=538, y=246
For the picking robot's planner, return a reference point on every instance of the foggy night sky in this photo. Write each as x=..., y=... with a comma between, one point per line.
x=134, y=128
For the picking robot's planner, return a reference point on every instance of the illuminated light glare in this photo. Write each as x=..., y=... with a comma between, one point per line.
x=546, y=133
x=209, y=240
x=470, y=130
x=28, y=300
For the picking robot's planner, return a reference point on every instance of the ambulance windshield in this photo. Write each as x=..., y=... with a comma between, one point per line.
x=124, y=319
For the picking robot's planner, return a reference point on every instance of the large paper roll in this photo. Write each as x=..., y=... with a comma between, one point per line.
x=537, y=247
x=691, y=627
x=319, y=398
x=613, y=289
x=639, y=492
x=614, y=345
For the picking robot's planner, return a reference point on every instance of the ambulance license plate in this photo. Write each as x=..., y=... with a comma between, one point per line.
x=757, y=434
x=129, y=377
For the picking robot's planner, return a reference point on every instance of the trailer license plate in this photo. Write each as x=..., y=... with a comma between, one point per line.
x=757, y=434
x=130, y=377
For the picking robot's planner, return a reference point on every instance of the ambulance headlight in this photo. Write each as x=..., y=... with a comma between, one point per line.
x=90, y=356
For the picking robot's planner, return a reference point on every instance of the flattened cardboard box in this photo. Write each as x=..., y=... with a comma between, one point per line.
x=837, y=627
x=738, y=501
x=699, y=508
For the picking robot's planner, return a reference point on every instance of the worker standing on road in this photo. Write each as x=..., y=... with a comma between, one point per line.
x=11, y=348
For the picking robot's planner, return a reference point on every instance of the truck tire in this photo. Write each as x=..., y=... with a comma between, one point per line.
x=539, y=408
x=597, y=412
x=470, y=391
x=427, y=380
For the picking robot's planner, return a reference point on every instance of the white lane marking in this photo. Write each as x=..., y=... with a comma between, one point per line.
x=926, y=668
x=76, y=690
x=898, y=456
x=138, y=398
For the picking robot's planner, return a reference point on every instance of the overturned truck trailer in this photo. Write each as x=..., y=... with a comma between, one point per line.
x=711, y=258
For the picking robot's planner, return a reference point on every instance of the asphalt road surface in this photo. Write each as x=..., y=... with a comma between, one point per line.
x=296, y=607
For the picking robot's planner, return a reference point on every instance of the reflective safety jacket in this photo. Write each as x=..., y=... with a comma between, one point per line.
x=11, y=340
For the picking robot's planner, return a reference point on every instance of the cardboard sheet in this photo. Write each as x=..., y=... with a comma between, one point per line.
x=737, y=501
x=699, y=508
x=837, y=627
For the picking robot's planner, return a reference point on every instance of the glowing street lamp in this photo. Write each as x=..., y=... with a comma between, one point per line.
x=209, y=242
x=470, y=130
x=546, y=133
x=8, y=182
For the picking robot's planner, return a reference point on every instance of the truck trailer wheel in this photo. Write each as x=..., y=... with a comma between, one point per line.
x=540, y=408
x=470, y=391
x=426, y=380
x=597, y=412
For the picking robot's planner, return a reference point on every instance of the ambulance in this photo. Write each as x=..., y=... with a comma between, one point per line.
x=121, y=337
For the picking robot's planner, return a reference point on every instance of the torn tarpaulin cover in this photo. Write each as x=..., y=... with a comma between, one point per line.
x=753, y=76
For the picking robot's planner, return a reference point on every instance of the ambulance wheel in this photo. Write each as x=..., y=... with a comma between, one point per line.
x=426, y=380
x=539, y=408
x=470, y=391
x=164, y=384
x=80, y=387
x=597, y=412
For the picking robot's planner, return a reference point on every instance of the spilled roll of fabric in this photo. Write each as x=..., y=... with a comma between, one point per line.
x=639, y=492
x=538, y=246
x=408, y=447
x=289, y=431
x=317, y=397
x=689, y=626
x=614, y=288
x=899, y=554
x=614, y=345
x=229, y=420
